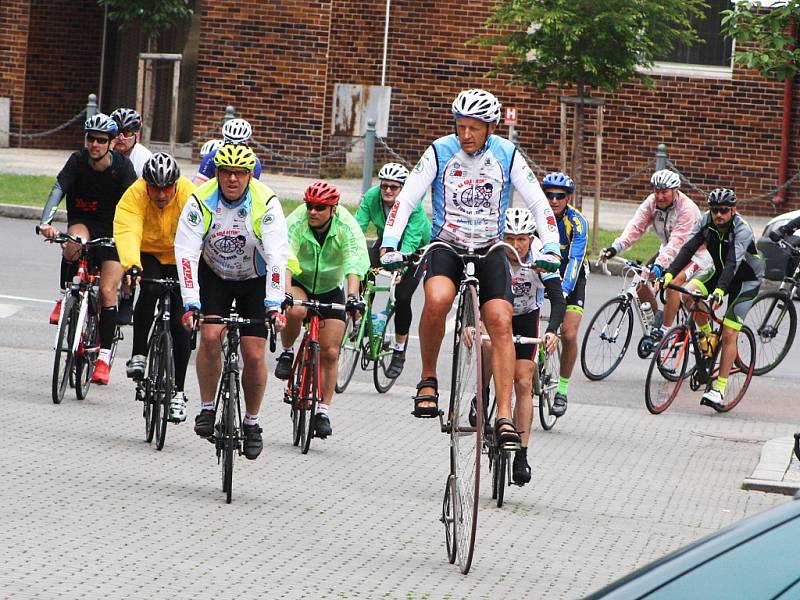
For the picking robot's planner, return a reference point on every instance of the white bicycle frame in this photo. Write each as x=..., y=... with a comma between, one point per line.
x=632, y=277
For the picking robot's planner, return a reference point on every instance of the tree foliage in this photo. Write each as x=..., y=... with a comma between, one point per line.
x=765, y=33
x=593, y=43
x=154, y=16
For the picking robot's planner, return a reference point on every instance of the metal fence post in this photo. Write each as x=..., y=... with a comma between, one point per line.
x=230, y=113
x=513, y=137
x=91, y=106
x=661, y=157
x=369, y=155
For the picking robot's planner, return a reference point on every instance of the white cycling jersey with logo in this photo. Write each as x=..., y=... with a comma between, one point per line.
x=527, y=285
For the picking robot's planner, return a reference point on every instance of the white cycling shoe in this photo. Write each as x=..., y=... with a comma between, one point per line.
x=177, y=408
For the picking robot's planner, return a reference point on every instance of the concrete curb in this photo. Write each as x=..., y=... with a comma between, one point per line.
x=770, y=475
x=33, y=213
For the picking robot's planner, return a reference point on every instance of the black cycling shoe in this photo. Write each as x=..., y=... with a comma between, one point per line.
x=283, y=370
x=204, y=423
x=559, y=405
x=322, y=425
x=252, y=441
x=396, y=366
x=521, y=470
x=125, y=311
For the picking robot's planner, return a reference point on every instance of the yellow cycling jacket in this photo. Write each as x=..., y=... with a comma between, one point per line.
x=141, y=227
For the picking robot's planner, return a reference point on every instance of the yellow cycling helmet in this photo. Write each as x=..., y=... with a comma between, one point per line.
x=234, y=156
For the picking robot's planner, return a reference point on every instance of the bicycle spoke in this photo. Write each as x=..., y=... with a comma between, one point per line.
x=606, y=339
x=773, y=321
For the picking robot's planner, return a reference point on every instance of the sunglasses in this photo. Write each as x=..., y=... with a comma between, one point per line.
x=97, y=140
x=391, y=186
x=720, y=210
x=555, y=195
x=228, y=172
x=167, y=188
x=316, y=207
x=126, y=134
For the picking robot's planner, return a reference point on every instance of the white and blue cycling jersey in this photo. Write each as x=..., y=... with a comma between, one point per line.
x=527, y=285
x=470, y=195
x=207, y=169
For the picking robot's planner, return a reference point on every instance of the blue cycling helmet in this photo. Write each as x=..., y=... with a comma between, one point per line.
x=559, y=180
x=101, y=123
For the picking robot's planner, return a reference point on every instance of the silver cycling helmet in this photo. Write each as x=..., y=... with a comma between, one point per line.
x=478, y=104
x=101, y=123
x=520, y=221
x=665, y=180
x=393, y=172
x=127, y=119
x=209, y=147
x=161, y=170
x=236, y=131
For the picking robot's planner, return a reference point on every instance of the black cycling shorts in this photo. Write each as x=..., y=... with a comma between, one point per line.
x=334, y=296
x=528, y=326
x=492, y=272
x=100, y=254
x=217, y=296
x=577, y=296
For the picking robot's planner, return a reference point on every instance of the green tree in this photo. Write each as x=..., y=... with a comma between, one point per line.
x=154, y=16
x=766, y=37
x=586, y=45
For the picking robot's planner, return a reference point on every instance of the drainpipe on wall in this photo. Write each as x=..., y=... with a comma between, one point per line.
x=385, y=41
x=786, y=129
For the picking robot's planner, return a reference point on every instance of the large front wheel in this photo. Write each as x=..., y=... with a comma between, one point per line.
x=309, y=391
x=165, y=386
x=465, y=438
x=773, y=320
x=606, y=338
x=64, y=360
x=87, y=354
x=230, y=434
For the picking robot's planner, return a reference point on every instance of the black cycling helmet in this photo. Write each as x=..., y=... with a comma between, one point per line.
x=161, y=170
x=722, y=197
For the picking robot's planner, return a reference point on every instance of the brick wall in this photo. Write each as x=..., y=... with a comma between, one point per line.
x=13, y=46
x=63, y=67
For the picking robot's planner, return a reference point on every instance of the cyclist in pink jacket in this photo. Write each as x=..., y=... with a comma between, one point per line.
x=672, y=214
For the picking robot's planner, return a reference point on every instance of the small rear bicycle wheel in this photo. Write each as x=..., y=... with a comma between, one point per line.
x=381, y=380
x=741, y=371
x=548, y=375
x=667, y=369
x=773, y=321
x=165, y=385
x=87, y=355
x=310, y=391
x=465, y=438
x=349, y=351
x=64, y=360
x=606, y=338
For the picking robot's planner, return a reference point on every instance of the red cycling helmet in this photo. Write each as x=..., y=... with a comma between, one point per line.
x=321, y=192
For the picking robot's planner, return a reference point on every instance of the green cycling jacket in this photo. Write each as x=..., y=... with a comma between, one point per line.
x=418, y=230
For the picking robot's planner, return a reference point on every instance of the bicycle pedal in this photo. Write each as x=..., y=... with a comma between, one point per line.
x=511, y=446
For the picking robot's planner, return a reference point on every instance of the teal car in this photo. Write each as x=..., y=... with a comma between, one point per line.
x=754, y=559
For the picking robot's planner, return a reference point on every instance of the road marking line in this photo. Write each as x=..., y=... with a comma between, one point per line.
x=6, y=310
x=26, y=299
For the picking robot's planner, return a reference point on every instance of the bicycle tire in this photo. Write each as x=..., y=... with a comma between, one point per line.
x=548, y=375
x=741, y=371
x=230, y=439
x=667, y=370
x=165, y=385
x=767, y=320
x=63, y=362
x=465, y=440
x=617, y=315
x=349, y=350
x=310, y=392
x=383, y=383
x=293, y=391
x=448, y=519
x=85, y=361
x=500, y=470
x=151, y=405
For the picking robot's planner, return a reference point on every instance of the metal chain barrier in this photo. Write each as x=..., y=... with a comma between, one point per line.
x=685, y=179
x=394, y=154
x=532, y=163
x=30, y=136
x=306, y=160
x=645, y=168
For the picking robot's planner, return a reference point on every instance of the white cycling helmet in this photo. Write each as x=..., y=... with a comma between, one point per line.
x=209, y=147
x=393, y=172
x=665, y=180
x=236, y=131
x=519, y=221
x=478, y=104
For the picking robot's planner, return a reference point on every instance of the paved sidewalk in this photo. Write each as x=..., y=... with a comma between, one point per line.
x=778, y=470
x=613, y=215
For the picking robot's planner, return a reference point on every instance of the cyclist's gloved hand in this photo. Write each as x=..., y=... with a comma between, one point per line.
x=606, y=253
x=550, y=341
x=716, y=297
x=668, y=277
x=189, y=318
x=354, y=305
x=549, y=263
x=288, y=301
x=657, y=271
x=133, y=276
x=277, y=319
x=391, y=258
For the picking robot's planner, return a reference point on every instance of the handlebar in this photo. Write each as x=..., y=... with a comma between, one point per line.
x=314, y=304
x=419, y=255
x=236, y=321
x=794, y=251
x=63, y=238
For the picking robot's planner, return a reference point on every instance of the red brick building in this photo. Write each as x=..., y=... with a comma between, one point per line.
x=278, y=62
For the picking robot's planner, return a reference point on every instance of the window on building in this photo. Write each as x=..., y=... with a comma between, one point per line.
x=713, y=49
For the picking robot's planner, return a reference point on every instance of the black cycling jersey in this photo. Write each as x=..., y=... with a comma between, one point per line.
x=92, y=196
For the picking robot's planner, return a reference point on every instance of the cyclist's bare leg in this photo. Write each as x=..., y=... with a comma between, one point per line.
x=496, y=315
x=523, y=408
x=673, y=299
x=440, y=292
x=728, y=351
x=72, y=251
x=645, y=293
x=254, y=372
x=294, y=318
x=331, y=332
x=209, y=361
x=569, y=342
x=111, y=273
